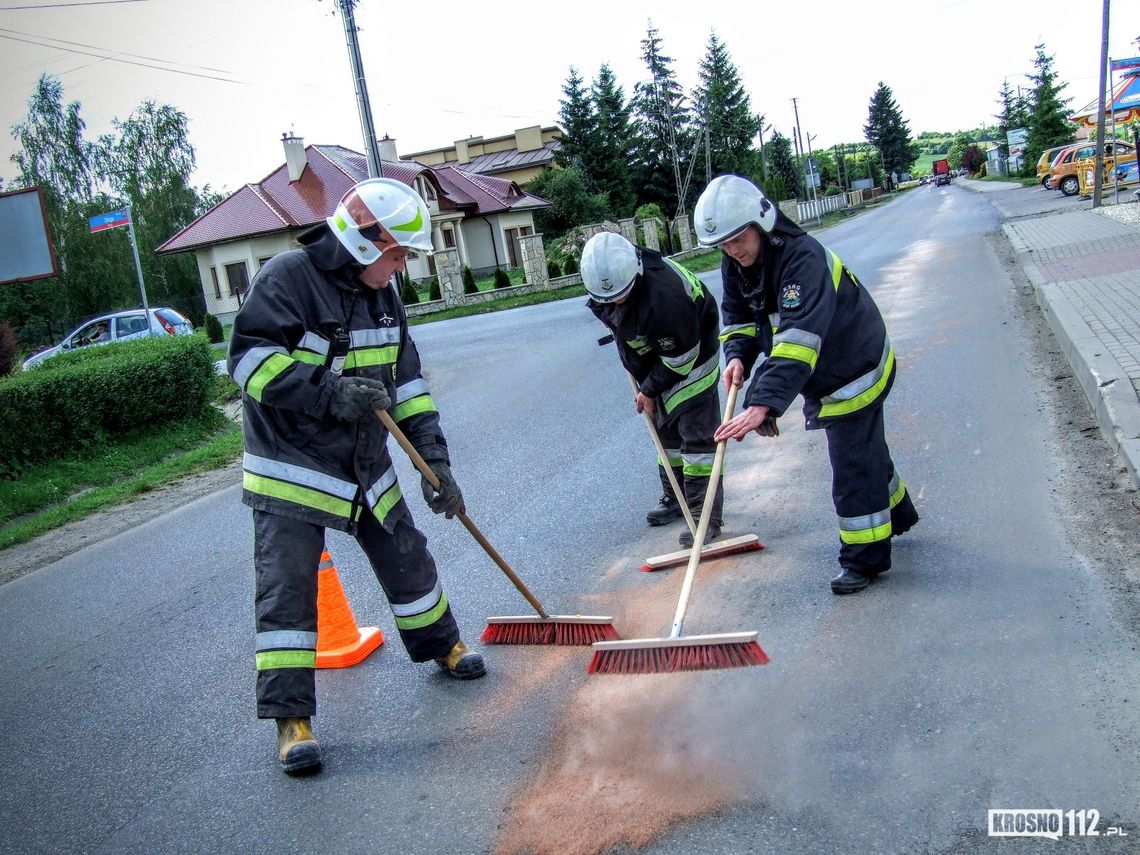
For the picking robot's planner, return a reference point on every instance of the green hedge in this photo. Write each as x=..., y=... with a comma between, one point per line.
x=82, y=399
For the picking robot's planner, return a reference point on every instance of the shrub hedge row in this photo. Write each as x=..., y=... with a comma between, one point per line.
x=81, y=399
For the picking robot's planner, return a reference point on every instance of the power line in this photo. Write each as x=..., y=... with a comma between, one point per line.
x=64, y=5
x=125, y=61
x=108, y=50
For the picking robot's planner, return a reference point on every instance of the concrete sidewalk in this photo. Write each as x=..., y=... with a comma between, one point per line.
x=1084, y=264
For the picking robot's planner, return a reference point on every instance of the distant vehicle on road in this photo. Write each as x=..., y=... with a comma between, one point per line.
x=117, y=326
x=941, y=172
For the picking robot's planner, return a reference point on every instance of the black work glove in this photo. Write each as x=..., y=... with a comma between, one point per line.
x=353, y=398
x=448, y=501
x=768, y=427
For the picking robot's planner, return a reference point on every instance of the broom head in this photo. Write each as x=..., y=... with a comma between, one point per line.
x=554, y=629
x=716, y=549
x=666, y=655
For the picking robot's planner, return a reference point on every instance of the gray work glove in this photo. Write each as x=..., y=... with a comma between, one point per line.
x=353, y=398
x=768, y=427
x=448, y=501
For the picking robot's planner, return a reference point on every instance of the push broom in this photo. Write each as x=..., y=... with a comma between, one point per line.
x=716, y=549
x=678, y=653
x=543, y=628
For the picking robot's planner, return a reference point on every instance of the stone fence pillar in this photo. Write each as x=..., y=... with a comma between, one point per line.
x=628, y=229
x=450, y=276
x=684, y=233
x=534, y=261
x=649, y=229
x=790, y=208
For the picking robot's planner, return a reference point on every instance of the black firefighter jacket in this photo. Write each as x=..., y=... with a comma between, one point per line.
x=305, y=318
x=666, y=333
x=821, y=332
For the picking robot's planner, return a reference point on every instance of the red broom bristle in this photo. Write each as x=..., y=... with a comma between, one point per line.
x=549, y=632
x=683, y=657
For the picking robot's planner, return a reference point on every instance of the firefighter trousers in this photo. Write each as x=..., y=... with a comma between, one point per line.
x=687, y=438
x=870, y=498
x=287, y=554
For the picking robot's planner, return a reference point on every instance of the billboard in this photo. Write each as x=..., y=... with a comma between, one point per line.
x=26, y=250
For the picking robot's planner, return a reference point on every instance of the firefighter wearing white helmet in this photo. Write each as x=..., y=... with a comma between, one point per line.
x=789, y=299
x=665, y=323
x=321, y=342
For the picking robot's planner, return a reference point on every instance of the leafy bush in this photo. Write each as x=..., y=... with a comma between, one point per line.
x=469, y=286
x=408, y=292
x=571, y=265
x=433, y=290
x=552, y=269
x=214, y=330
x=80, y=399
x=502, y=280
x=9, y=348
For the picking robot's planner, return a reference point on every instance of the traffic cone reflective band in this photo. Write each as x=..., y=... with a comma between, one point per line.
x=340, y=642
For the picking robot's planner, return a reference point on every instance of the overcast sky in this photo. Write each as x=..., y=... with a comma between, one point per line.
x=244, y=71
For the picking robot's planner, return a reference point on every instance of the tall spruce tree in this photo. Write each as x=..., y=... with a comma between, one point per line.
x=610, y=164
x=783, y=181
x=723, y=108
x=1049, y=123
x=579, y=127
x=661, y=128
x=888, y=132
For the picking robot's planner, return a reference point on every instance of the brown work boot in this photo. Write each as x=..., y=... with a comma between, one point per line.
x=462, y=663
x=297, y=748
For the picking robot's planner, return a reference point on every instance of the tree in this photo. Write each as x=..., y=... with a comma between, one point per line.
x=888, y=132
x=661, y=128
x=609, y=165
x=783, y=173
x=725, y=111
x=1014, y=114
x=576, y=118
x=1049, y=123
x=571, y=202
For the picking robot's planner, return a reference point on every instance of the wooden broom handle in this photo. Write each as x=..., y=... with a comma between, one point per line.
x=425, y=470
x=677, y=491
x=703, y=525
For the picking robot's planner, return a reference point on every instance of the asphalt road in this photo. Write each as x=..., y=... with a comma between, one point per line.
x=994, y=666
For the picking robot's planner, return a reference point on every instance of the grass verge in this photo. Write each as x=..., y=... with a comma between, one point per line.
x=47, y=496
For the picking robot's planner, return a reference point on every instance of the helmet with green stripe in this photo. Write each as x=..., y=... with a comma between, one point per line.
x=384, y=210
x=610, y=265
x=727, y=206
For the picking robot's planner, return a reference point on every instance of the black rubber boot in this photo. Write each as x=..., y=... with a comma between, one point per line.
x=666, y=511
x=713, y=532
x=462, y=663
x=850, y=581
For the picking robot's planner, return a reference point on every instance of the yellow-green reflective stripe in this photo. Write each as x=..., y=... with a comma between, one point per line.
x=836, y=266
x=899, y=492
x=266, y=373
x=412, y=224
x=309, y=358
x=297, y=494
x=699, y=470
x=841, y=408
x=795, y=351
x=684, y=369
x=867, y=535
x=286, y=659
x=738, y=329
x=418, y=404
x=425, y=618
x=689, y=391
x=675, y=460
x=371, y=356
x=386, y=502
x=694, y=287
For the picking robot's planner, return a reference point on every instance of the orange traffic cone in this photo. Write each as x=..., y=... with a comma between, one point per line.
x=340, y=643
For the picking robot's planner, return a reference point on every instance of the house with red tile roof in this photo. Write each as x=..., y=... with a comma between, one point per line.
x=482, y=216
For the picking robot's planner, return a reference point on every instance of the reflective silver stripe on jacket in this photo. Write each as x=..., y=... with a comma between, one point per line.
x=861, y=384
x=376, y=337
x=709, y=366
x=293, y=474
x=410, y=389
x=250, y=362
x=683, y=364
x=313, y=342
x=382, y=485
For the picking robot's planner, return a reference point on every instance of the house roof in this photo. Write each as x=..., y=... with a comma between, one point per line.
x=500, y=161
x=277, y=204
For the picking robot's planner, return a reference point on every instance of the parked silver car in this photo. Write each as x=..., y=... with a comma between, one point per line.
x=118, y=326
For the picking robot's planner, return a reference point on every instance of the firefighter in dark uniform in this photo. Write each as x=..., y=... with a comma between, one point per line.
x=793, y=311
x=665, y=323
x=320, y=342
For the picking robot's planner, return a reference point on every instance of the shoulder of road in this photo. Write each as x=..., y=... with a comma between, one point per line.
x=1084, y=265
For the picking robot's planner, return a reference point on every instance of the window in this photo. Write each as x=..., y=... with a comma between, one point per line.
x=261, y=261
x=425, y=189
x=448, y=238
x=238, y=278
x=217, y=286
x=514, y=250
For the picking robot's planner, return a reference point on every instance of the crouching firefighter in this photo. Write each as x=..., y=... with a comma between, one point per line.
x=666, y=325
x=320, y=342
x=789, y=297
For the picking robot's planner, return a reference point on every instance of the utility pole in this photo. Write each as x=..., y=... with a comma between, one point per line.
x=799, y=148
x=371, y=146
x=1098, y=162
x=763, y=160
x=708, y=157
x=812, y=179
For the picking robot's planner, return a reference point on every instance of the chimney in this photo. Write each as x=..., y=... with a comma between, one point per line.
x=529, y=139
x=388, y=149
x=295, y=157
x=461, y=154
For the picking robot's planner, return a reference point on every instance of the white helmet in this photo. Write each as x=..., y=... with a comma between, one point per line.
x=610, y=264
x=729, y=204
x=381, y=202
